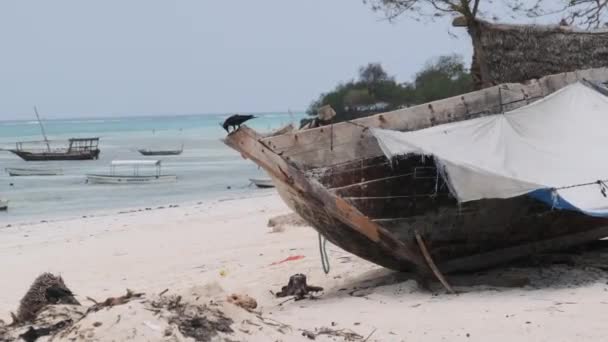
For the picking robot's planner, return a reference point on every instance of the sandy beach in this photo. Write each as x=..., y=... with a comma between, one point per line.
x=227, y=246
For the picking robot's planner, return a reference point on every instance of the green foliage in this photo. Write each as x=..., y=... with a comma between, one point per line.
x=444, y=77
x=375, y=91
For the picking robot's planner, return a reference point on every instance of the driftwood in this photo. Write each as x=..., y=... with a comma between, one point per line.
x=113, y=301
x=298, y=287
x=346, y=334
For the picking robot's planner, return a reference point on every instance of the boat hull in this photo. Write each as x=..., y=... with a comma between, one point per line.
x=108, y=179
x=15, y=172
x=375, y=209
x=262, y=183
x=338, y=179
x=160, y=153
x=48, y=156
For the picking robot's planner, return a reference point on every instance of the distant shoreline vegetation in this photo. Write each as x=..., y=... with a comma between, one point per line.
x=374, y=91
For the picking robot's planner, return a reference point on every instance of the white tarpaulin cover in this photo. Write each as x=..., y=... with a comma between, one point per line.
x=552, y=144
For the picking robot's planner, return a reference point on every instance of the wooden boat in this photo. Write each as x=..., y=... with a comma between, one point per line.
x=150, y=152
x=400, y=214
x=135, y=177
x=262, y=182
x=77, y=149
x=32, y=172
x=3, y=205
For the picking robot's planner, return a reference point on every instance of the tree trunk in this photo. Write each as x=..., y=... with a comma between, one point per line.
x=479, y=67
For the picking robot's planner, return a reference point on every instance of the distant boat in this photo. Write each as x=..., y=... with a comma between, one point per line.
x=33, y=172
x=262, y=182
x=78, y=148
x=135, y=177
x=3, y=204
x=150, y=152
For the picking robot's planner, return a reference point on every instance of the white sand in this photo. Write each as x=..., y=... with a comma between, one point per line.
x=228, y=243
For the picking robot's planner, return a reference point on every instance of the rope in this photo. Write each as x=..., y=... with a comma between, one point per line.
x=599, y=182
x=323, y=252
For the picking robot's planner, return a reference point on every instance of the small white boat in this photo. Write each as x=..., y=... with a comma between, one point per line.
x=161, y=152
x=33, y=172
x=3, y=204
x=262, y=182
x=135, y=177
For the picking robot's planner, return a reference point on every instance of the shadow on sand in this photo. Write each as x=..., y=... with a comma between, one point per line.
x=571, y=268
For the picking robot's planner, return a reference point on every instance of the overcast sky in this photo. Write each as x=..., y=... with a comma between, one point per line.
x=75, y=58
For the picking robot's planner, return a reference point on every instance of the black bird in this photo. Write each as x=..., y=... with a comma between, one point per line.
x=235, y=121
x=56, y=294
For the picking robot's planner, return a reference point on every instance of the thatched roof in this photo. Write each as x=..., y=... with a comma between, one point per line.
x=516, y=53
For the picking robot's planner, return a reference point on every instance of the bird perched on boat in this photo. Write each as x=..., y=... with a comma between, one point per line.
x=235, y=121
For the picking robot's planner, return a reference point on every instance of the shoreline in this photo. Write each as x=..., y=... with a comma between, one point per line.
x=19, y=221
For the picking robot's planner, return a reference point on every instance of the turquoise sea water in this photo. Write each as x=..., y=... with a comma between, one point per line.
x=206, y=169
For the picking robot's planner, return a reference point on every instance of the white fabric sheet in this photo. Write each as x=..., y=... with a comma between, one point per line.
x=559, y=141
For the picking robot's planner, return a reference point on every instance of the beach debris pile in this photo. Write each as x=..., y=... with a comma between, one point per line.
x=201, y=322
x=50, y=311
x=298, y=287
x=46, y=289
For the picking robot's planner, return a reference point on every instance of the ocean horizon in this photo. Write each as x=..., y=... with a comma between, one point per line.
x=207, y=169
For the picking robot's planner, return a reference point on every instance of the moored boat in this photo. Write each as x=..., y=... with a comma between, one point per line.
x=77, y=148
x=152, y=152
x=262, y=182
x=385, y=210
x=3, y=205
x=13, y=171
x=135, y=177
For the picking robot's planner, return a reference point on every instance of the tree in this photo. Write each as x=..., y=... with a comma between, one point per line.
x=373, y=73
x=587, y=13
x=444, y=77
x=375, y=91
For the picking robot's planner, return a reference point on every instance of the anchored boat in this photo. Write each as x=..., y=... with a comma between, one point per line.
x=151, y=152
x=403, y=212
x=12, y=171
x=262, y=182
x=3, y=204
x=136, y=177
x=77, y=148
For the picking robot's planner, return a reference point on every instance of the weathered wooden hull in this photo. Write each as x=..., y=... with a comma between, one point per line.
x=48, y=156
x=338, y=180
